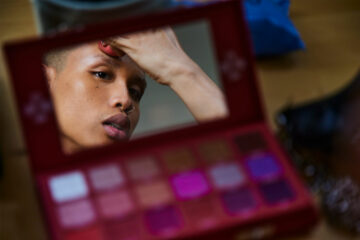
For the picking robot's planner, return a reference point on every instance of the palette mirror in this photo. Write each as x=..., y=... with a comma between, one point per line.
x=134, y=85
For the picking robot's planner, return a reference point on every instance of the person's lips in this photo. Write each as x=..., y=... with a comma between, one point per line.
x=117, y=126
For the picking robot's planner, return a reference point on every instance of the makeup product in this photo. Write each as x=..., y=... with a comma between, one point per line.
x=223, y=179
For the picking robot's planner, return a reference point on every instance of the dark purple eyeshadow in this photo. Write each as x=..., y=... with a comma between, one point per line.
x=263, y=166
x=165, y=219
x=239, y=200
x=276, y=192
x=250, y=142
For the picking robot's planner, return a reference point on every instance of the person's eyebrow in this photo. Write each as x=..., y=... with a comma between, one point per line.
x=107, y=60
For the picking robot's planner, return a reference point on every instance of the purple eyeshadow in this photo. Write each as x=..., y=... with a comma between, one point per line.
x=276, y=192
x=227, y=176
x=263, y=166
x=250, y=142
x=164, y=221
x=190, y=185
x=238, y=201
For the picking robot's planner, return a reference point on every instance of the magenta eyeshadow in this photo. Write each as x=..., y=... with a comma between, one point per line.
x=163, y=220
x=190, y=185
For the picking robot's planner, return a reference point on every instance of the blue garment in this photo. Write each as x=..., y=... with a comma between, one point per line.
x=271, y=29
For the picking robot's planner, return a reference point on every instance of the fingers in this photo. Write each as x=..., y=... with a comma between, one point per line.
x=113, y=47
x=109, y=49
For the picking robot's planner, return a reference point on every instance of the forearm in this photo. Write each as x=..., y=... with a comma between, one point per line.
x=159, y=54
x=201, y=95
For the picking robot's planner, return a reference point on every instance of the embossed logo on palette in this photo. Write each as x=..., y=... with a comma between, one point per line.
x=167, y=192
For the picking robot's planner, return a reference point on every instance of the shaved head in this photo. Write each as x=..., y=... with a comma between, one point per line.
x=57, y=58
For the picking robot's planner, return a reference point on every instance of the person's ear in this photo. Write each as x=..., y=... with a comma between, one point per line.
x=50, y=73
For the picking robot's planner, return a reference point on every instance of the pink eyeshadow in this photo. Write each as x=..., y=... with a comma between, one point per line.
x=153, y=194
x=115, y=204
x=76, y=214
x=106, y=177
x=143, y=168
x=190, y=185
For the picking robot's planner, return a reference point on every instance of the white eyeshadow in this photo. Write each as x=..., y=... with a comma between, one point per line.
x=68, y=186
x=106, y=177
x=227, y=176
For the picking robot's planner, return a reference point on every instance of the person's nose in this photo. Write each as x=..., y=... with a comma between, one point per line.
x=121, y=99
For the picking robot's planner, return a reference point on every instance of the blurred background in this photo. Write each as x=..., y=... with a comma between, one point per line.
x=329, y=62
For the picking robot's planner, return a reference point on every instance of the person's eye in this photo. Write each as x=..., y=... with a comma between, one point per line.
x=135, y=94
x=102, y=75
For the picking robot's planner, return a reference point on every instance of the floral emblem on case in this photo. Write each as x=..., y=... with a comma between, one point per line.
x=37, y=108
x=233, y=66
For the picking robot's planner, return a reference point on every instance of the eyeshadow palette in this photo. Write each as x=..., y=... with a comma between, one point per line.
x=223, y=179
x=209, y=183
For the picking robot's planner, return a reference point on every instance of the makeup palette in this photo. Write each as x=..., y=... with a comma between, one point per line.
x=224, y=179
x=233, y=177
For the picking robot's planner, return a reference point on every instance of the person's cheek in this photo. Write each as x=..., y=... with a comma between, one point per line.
x=134, y=118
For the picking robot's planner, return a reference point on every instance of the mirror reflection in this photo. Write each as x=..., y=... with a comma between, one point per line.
x=132, y=85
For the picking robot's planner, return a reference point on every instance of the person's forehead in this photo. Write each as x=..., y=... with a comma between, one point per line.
x=89, y=53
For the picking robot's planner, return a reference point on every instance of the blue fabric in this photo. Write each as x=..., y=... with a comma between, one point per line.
x=271, y=29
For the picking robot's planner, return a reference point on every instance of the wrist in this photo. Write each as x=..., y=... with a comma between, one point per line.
x=179, y=72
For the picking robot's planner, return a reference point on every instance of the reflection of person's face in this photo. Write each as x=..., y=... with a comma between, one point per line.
x=96, y=97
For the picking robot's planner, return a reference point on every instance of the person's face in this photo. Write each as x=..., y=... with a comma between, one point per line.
x=96, y=97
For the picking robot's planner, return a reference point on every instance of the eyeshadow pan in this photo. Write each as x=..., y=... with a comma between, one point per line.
x=250, y=142
x=115, y=204
x=124, y=229
x=152, y=194
x=263, y=166
x=179, y=160
x=277, y=191
x=226, y=176
x=76, y=214
x=215, y=151
x=68, y=186
x=93, y=233
x=143, y=168
x=190, y=185
x=106, y=177
x=163, y=221
x=238, y=200
x=201, y=212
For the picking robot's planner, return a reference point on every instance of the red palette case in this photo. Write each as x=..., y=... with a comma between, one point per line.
x=225, y=179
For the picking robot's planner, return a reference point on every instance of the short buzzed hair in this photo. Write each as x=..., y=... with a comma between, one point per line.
x=57, y=58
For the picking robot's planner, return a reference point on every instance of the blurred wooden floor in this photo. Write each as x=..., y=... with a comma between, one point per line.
x=330, y=29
